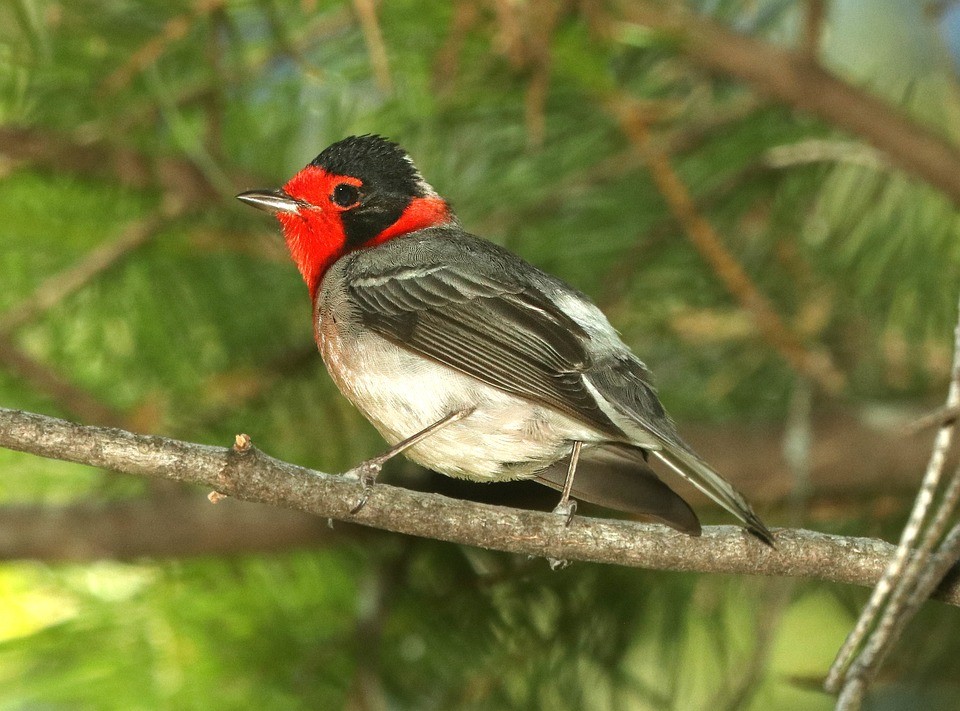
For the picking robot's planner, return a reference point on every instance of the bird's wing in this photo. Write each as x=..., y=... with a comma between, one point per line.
x=488, y=325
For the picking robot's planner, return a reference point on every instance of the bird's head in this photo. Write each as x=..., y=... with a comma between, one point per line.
x=359, y=192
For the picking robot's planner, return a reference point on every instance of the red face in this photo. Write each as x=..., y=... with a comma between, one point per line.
x=315, y=233
x=337, y=214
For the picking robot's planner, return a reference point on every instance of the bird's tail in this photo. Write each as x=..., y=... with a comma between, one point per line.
x=696, y=471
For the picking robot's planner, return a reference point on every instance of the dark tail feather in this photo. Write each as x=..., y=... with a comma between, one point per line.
x=699, y=473
x=618, y=478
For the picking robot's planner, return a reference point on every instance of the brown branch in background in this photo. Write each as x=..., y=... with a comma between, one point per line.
x=64, y=283
x=535, y=103
x=542, y=20
x=508, y=40
x=43, y=379
x=174, y=29
x=466, y=15
x=214, y=101
x=813, y=21
x=814, y=365
x=792, y=78
x=52, y=291
x=251, y=475
x=373, y=37
x=182, y=184
x=173, y=526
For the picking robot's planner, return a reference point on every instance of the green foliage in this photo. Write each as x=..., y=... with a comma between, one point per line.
x=198, y=333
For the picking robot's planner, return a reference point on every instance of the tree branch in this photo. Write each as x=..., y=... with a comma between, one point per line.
x=793, y=78
x=251, y=475
x=182, y=184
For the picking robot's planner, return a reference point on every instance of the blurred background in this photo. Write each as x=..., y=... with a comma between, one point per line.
x=796, y=324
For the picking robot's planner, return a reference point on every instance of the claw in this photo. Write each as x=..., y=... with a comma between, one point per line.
x=361, y=502
x=365, y=473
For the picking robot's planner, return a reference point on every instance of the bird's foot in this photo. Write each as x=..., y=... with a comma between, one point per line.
x=365, y=473
x=566, y=508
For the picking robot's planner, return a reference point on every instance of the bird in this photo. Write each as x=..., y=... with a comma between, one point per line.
x=466, y=358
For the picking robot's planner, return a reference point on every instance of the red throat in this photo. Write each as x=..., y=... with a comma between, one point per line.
x=316, y=236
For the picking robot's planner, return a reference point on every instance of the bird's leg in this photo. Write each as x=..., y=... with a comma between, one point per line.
x=368, y=471
x=567, y=506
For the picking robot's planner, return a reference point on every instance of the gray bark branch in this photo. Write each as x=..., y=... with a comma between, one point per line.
x=255, y=476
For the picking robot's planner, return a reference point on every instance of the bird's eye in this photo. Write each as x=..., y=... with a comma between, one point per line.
x=345, y=195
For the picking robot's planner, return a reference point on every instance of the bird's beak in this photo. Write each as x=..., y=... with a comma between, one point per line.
x=272, y=201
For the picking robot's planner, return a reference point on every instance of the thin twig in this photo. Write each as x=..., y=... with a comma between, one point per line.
x=854, y=689
x=940, y=417
x=252, y=475
x=922, y=574
x=815, y=365
x=891, y=627
x=886, y=603
x=942, y=563
x=214, y=101
x=542, y=16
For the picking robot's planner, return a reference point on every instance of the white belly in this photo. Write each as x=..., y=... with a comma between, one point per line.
x=401, y=394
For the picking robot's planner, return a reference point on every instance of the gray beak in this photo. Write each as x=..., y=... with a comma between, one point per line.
x=272, y=201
